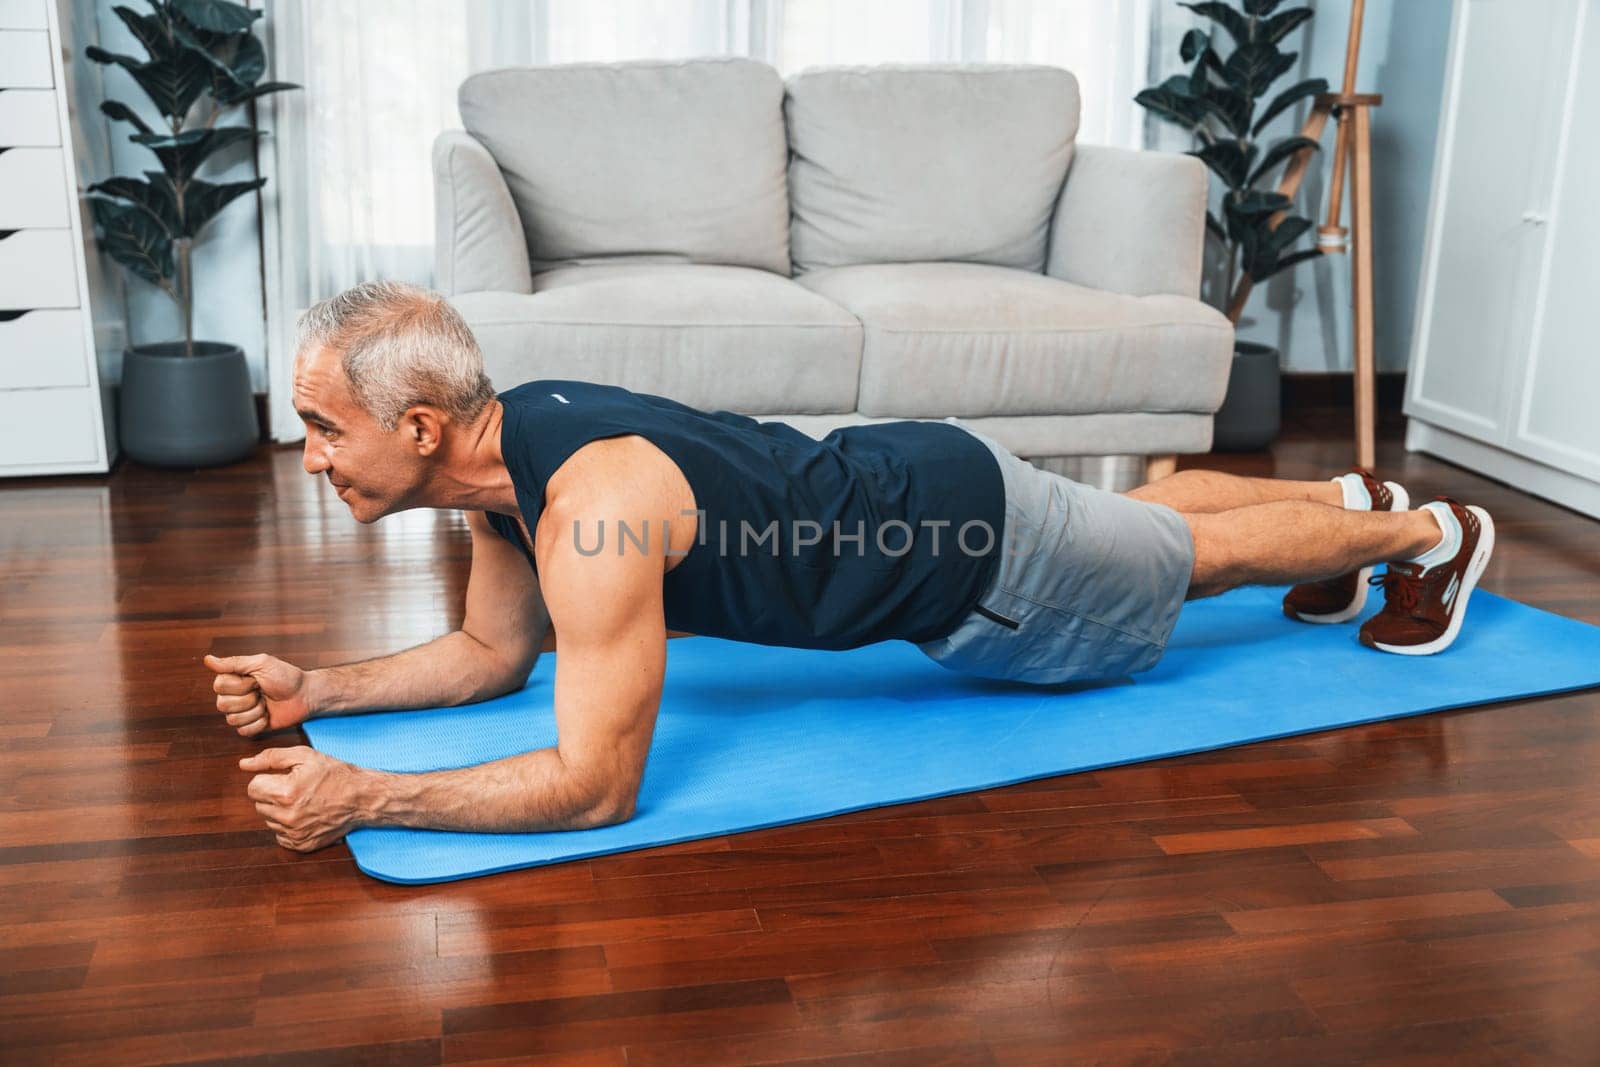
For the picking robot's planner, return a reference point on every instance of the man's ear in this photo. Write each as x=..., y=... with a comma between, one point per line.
x=424, y=428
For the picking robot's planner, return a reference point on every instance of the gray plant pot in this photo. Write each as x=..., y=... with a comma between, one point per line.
x=1251, y=413
x=186, y=411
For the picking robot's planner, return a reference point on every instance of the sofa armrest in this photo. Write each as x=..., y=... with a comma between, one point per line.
x=479, y=242
x=1130, y=222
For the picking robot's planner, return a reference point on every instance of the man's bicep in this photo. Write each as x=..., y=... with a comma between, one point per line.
x=611, y=665
x=505, y=608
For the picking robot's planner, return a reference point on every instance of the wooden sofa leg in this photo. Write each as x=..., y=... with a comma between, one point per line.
x=1158, y=467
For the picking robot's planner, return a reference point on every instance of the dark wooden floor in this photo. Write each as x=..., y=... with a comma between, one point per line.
x=1422, y=891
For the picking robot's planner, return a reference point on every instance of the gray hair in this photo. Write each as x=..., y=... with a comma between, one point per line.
x=400, y=345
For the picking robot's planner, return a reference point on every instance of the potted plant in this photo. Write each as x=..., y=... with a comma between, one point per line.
x=182, y=403
x=1216, y=102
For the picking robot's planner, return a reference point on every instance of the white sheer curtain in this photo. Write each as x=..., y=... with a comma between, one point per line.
x=351, y=197
x=1104, y=42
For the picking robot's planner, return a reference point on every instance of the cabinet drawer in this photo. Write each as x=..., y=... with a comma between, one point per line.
x=28, y=117
x=32, y=190
x=43, y=349
x=25, y=60
x=40, y=426
x=38, y=270
x=23, y=15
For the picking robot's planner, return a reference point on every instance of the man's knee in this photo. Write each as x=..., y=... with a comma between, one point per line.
x=1177, y=479
x=1213, y=571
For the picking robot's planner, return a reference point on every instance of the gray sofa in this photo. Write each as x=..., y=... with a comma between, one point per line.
x=854, y=245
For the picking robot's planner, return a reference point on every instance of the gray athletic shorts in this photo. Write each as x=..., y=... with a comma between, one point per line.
x=1089, y=585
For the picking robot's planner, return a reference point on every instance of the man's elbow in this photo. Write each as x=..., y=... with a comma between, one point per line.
x=499, y=671
x=607, y=812
x=509, y=682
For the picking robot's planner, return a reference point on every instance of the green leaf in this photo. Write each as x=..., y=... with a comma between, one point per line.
x=1249, y=217
x=1228, y=159
x=117, y=110
x=130, y=237
x=1199, y=83
x=1257, y=261
x=1255, y=202
x=149, y=29
x=202, y=200
x=1231, y=107
x=254, y=91
x=1225, y=16
x=1237, y=225
x=182, y=155
x=249, y=60
x=173, y=83
x=100, y=55
x=1260, y=7
x=218, y=16
x=1281, y=151
x=1184, y=110
x=1288, y=232
x=1215, y=227
x=1196, y=48
x=1179, y=85
x=166, y=194
x=1288, y=98
x=1278, y=27
x=1286, y=262
x=237, y=59
x=156, y=203
x=1254, y=67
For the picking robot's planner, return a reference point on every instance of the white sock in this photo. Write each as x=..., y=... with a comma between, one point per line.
x=1356, y=497
x=1449, y=544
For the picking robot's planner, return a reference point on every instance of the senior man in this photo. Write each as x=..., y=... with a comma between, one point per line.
x=612, y=518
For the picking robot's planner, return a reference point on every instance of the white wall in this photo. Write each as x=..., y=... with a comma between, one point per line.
x=226, y=262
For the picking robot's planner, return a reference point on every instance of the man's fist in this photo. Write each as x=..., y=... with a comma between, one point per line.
x=308, y=798
x=260, y=693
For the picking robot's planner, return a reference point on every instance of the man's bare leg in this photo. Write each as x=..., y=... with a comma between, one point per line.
x=1296, y=541
x=1197, y=492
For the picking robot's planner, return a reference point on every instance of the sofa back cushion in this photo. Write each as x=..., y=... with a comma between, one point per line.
x=904, y=164
x=643, y=161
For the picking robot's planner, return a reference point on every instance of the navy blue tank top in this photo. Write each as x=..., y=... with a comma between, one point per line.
x=876, y=532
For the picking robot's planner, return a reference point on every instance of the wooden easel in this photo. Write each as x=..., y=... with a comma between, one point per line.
x=1353, y=143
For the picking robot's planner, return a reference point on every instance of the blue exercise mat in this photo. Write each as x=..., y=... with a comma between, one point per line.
x=751, y=736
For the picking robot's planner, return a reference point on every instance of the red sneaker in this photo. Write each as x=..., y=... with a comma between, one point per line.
x=1423, y=609
x=1342, y=598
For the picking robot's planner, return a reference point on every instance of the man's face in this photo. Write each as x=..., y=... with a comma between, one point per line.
x=373, y=470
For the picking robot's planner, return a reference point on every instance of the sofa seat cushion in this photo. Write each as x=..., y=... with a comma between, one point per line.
x=680, y=160
x=898, y=164
x=712, y=337
x=971, y=340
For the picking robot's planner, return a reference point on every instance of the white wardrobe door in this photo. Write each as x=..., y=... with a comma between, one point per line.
x=1556, y=419
x=1507, y=79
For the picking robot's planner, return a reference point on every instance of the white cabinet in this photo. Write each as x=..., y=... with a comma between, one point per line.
x=25, y=59
x=28, y=117
x=23, y=15
x=1505, y=369
x=52, y=407
x=33, y=189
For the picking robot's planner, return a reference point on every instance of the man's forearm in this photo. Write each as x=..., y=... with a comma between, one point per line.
x=525, y=793
x=449, y=670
